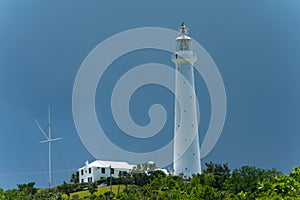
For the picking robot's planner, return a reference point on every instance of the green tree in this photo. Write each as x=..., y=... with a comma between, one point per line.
x=284, y=186
x=133, y=192
x=140, y=178
x=27, y=189
x=246, y=181
x=75, y=178
x=94, y=197
x=13, y=195
x=92, y=187
x=203, y=192
x=157, y=174
x=65, y=188
x=1, y=194
x=220, y=172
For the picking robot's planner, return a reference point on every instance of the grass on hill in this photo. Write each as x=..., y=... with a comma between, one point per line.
x=99, y=191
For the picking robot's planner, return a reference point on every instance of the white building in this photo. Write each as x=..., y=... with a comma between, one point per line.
x=101, y=169
x=186, y=138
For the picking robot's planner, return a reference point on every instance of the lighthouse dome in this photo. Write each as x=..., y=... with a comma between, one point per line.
x=183, y=37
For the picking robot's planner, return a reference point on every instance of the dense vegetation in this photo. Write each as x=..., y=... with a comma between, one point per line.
x=216, y=182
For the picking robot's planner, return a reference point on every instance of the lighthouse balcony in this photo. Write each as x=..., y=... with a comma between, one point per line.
x=183, y=57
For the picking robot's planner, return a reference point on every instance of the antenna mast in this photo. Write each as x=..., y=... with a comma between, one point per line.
x=48, y=140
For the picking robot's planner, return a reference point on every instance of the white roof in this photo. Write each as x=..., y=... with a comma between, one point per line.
x=106, y=164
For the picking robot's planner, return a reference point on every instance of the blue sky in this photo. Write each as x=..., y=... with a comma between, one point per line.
x=255, y=45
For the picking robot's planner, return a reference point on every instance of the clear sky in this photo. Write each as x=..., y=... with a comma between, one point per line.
x=255, y=45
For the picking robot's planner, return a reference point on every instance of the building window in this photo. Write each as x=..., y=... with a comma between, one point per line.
x=82, y=180
x=90, y=170
x=112, y=170
x=103, y=170
x=90, y=179
x=82, y=172
x=123, y=173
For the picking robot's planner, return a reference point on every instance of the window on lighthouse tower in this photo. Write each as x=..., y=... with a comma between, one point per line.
x=184, y=44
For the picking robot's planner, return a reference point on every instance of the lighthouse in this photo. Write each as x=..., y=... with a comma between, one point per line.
x=186, y=138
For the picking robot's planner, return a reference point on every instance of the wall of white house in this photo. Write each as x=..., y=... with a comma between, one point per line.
x=92, y=174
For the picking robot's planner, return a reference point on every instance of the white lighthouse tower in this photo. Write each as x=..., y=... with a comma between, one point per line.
x=186, y=138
